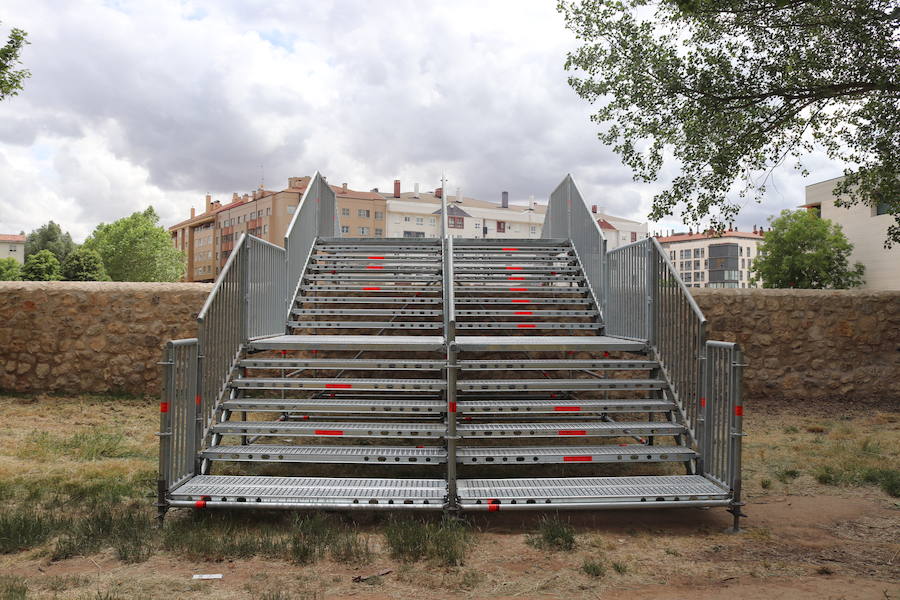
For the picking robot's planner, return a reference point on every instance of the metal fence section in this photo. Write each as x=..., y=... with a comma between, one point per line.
x=626, y=294
x=302, y=232
x=722, y=415
x=265, y=286
x=569, y=217
x=179, y=416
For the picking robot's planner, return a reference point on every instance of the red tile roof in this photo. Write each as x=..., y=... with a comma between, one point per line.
x=689, y=237
x=10, y=237
x=604, y=224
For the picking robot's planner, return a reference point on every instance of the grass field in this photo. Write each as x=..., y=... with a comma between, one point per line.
x=77, y=481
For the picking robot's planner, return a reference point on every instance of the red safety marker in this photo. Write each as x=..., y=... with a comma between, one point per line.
x=197, y=400
x=163, y=407
x=306, y=417
x=554, y=395
x=606, y=355
x=567, y=408
x=572, y=432
x=374, y=267
x=328, y=432
x=339, y=386
x=520, y=301
x=526, y=325
x=371, y=288
x=493, y=505
x=702, y=402
x=451, y=406
x=578, y=458
x=518, y=289
x=375, y=257
x=739, y=411
x=516, y=278
x=420, y=446
x=200, y=504
x=624, y=445
x=510, y=249
x=523, y=312
x=513, y=268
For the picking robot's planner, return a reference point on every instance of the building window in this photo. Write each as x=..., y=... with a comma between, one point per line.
x=634, y=236
x=379, y=232
x=363, y=231
x=432, y=221
x=345, y=229
x=456, y=222
x=420, y=220
x=406, y=219
x=345, y=212
x=686, y=276
x=269, y=211
x=501, y=227
x=533, y=229
x=265, y=229
x=363, y=213
x=696, y=264
x=379, y=216
x=671, y=255
x=881, y=208
x=414, y=234
x=291, y=209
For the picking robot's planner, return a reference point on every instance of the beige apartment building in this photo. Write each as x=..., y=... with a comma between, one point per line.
x=866, y=228
x=208, y=238
x=714, y=261
x=12, y=245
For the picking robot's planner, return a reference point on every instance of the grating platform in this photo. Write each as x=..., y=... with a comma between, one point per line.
x=421, y=343
x=575, y=454
x=474, y=385
x=557, y=406
x=331, y=429
x=590, y=492
x=309, y=492
x=328, y=454
x=574, y=428
x=278, y=383
x=529, y=343
x=338, y=405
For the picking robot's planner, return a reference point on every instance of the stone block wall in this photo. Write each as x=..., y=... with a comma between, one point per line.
x=808, y=345
x=75, y=337
x=801, y=345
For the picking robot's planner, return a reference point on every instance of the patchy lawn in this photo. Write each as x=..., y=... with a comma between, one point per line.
x=77, y=481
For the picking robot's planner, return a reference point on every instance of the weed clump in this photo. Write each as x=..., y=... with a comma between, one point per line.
x=445, y=542
x=13, y=588
x=593, y=568
x=553, y=534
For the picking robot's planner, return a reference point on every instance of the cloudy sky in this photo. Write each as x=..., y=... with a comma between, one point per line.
x=133, y=103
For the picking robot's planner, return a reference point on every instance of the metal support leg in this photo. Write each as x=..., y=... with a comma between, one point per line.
x=452, y=368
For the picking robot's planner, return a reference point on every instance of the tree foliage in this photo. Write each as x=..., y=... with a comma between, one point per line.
x=49, y=237
x=12, y=78
x=801, y=250
x=10, y=269
x=136, y=248
x=41, y=266
x=728, y=89
x=84, y=264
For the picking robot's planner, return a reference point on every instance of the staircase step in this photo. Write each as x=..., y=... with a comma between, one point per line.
x=280, y=383
x=590, y=492
x=391, y=455
x=300, y=300
x=575, y=454
x=568, y=429
x=368, y=312
x=368, y=364
x=523, y=343
x=366, y=324
x=381, y=288
x=527, y=313
x=548, y=365
x=493, y=406
x=479, y=385
x=331, y=429
x=529, y=325
x=309, y=492
x=418, y=343
x=523, y=301
x=339, y=405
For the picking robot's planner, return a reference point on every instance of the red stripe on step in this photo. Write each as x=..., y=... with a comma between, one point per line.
x=328, y=432
x=510, y=249
x=518, y=289
x=200, y=504
x=163, y=407
x=524, y=312
x=578, y=458
x=520, y=301
x=567, y=408
x=493, y=505
x=739, y=411
x=702, y=402
x=197, y=400
x=572, y=432
x=339, y=386
x=375, y=257
x=513, y=268
x=526, y=325
x=516, y=278
x=374, y=267
x=451, y=406
x=371, y=288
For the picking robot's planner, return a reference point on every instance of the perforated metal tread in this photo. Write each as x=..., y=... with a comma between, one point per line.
x=589, y=492
x=278, y=383
x=350, y=364
x=492, y=405
x=309, y=492
x=476, y=385
x=338, y=405
x=331, y=429
x=575, y=428
x=328, y=454
x=597, y=343
x=350, y=342
x=574, y=454
x=548, y=364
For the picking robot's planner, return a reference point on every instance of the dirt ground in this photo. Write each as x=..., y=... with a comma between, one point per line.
x=802, y=539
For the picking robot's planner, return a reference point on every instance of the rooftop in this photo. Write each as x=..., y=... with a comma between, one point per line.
x=12, y=237
x=690, y=237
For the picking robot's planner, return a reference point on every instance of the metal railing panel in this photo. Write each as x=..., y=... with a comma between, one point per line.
x=627, y=291
x=178, y=441
x=723, y=410
x=266, y=288
x=305, y=228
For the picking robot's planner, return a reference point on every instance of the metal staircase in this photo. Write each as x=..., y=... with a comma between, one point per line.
x=450, y=374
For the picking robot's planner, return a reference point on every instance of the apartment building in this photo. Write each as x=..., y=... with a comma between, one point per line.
x=714, y=260
x=208, y=238
x=418, y=214
x=617, y=230
x=12, y=245
x=866, y=228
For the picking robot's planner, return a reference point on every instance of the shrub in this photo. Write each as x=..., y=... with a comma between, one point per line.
x=553, y=534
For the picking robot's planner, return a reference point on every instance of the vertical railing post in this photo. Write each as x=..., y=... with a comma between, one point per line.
x=244, y=262
x=704, y=422
x=199, y=408
x=651, y=274
x=736, y=433
x=165, y=432
x=450, y=373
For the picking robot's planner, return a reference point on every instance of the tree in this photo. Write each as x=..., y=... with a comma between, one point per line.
x=12, y=79
x=10, y=269
x=49, y=237
x=84, y=264
x=136, y=248
x=41, y=266
x=801, y=250
x=728, y=89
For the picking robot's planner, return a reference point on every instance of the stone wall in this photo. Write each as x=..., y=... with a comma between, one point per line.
x=804, y=345
x=107, y=337
x=77, y=337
